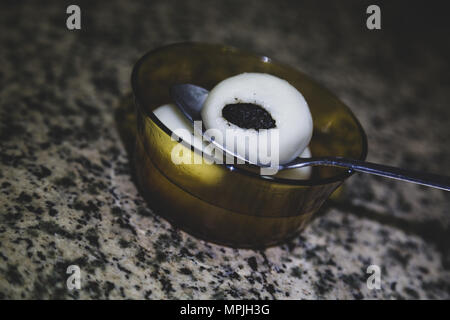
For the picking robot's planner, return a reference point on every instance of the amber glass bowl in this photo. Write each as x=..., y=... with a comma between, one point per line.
x=233, y=207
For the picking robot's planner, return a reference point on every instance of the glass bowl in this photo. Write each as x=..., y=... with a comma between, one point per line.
x=236, y=207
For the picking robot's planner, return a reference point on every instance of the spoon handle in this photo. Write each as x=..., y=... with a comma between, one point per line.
x=423, y=178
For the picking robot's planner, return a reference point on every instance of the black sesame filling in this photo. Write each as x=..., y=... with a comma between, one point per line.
x=248, y=116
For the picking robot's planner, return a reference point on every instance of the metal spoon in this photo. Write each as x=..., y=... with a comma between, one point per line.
x=190, y=98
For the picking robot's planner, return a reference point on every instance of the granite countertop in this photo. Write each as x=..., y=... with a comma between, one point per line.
x=66, y=192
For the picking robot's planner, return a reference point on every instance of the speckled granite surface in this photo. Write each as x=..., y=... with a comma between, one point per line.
x=67, y=197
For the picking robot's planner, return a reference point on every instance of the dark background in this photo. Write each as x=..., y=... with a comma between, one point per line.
x=326, y=39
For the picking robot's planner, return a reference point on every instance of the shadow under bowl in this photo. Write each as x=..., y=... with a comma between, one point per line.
x=233, y=207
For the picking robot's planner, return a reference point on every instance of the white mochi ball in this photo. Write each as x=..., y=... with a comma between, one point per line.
x=284, y=103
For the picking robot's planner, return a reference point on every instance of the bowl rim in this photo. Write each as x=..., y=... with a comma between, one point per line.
x=341, y=177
